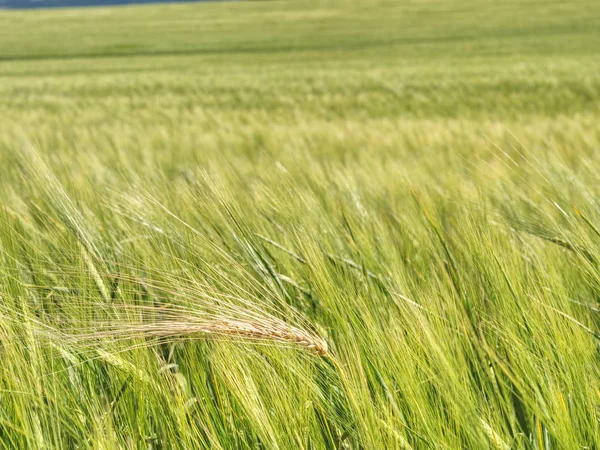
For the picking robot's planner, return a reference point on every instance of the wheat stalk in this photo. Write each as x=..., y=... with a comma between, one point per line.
x=261, y=329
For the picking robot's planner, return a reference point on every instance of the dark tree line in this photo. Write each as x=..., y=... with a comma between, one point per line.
x=14, y=4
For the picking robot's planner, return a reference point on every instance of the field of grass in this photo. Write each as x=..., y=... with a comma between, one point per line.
x=307, y=225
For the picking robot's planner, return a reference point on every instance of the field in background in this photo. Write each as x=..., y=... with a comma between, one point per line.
x=320, y=225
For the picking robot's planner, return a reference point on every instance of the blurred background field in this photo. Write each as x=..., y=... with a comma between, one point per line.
x=415, y=182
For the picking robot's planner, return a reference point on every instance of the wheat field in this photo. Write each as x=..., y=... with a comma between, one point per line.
x=307, y=225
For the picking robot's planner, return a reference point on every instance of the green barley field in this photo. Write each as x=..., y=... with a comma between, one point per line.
x=361, y=224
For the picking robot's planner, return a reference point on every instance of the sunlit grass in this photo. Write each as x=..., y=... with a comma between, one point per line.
x=338, y=225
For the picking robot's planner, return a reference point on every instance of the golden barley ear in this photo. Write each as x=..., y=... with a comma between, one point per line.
x=180, y=325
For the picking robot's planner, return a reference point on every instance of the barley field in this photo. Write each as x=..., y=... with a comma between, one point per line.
x=336, y=225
